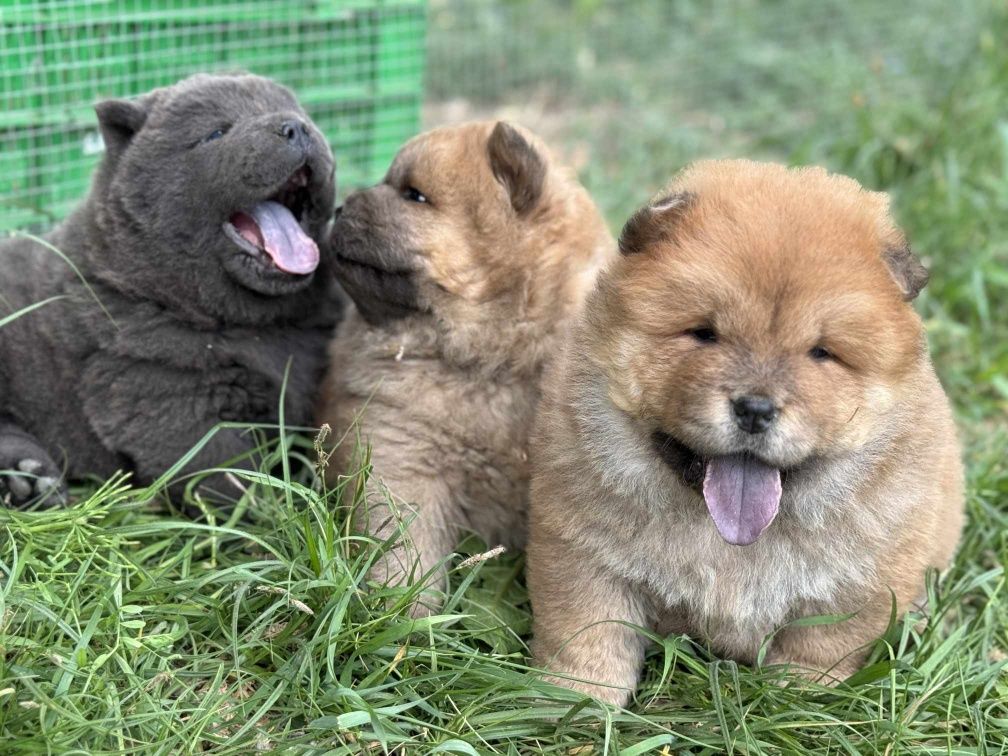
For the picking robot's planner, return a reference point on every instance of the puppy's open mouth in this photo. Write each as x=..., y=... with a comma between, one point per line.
x=271, y=231
x=742, y=493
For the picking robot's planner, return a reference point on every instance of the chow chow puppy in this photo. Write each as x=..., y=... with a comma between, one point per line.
x=744, y=429
x=199, y=241
x=465, y=265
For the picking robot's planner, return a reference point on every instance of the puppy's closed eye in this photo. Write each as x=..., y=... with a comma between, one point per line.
x=216, y=134
x=703, y=334
x=212, y=135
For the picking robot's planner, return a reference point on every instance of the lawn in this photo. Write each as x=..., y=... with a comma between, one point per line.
x=126, y=626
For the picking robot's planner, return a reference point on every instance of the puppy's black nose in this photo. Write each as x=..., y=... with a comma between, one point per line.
x=297, y=132
x=754, y=414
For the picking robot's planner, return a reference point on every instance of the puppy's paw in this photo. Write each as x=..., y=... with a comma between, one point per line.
x=240, y=394
x=392, y=569
x=28, y=475
x=610, y=694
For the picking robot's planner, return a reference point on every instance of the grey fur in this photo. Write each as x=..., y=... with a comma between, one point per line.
x=197, y=331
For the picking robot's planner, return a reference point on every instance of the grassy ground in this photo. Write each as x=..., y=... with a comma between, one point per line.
x=126, y=627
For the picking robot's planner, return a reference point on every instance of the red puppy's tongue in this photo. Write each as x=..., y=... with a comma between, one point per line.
x=742, y=496
x=273, y=228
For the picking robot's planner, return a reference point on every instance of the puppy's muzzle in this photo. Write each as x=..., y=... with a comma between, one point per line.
x=373, y=263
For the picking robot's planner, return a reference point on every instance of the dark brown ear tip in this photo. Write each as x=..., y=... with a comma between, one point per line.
x=503, y=129
x=907, y=270
x=656, y=221
x=517, y=165
x=911, y=294
x=505, y=138
x=634, y=237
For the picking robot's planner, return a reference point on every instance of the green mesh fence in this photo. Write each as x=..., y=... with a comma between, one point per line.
x=356, y=65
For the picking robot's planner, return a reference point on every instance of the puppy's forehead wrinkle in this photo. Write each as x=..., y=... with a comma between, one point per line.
x=781, y=227
x=793, y=193
x=441, y=156
x=205, y=104
x=413, y=171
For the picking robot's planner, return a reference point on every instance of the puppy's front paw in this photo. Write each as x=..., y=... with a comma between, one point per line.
x=610, y=694
x=395, y=570
x=28, y=474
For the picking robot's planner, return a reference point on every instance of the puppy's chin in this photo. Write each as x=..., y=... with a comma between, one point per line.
x=381, y=295
x=376, y=269
x=257, y=273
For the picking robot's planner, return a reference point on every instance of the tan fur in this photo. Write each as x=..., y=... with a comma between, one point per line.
x=446, y=398
x=776, y=261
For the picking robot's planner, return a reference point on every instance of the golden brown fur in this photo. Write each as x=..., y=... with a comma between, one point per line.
x=742, y=279
x=492, y=249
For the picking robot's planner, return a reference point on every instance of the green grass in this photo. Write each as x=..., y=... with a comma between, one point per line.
x=126, y=626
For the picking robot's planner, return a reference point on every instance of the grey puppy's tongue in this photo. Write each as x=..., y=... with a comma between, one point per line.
x=272, y=227
x=742, y=496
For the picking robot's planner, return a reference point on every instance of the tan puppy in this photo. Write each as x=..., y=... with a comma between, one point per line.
x=745, y=429
x=465, y=264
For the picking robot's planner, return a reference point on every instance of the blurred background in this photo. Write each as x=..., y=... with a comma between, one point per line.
x=909, y=97
x=632, y=90
x=626, y=90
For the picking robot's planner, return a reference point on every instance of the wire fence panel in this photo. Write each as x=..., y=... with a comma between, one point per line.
x=356, y=66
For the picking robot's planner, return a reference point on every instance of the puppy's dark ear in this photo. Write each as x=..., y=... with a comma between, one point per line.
x=908, y=272
x=119, y=120
x=517, y=165
x=654, y=222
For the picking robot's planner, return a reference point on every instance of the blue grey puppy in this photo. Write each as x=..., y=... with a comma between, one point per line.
x=200, y=238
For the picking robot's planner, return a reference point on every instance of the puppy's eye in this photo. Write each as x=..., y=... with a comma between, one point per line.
x=820, y=354
x=705, y=334
x=412, y=194
x=215, y=134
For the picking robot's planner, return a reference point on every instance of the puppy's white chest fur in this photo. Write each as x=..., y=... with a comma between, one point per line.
x=733, y=590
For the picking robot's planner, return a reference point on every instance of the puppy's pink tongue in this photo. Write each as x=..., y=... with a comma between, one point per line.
x=280, y=235
x=742, y=496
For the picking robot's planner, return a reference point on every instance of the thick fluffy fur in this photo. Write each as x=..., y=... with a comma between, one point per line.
x=743, y=278
x=466, y=264
x=197, y=330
